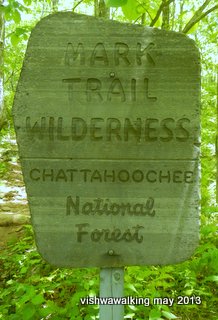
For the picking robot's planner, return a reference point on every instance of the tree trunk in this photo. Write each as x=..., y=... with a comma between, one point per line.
x=101, y=10
x=54, y=4
x=166, y=15
x=2, y=109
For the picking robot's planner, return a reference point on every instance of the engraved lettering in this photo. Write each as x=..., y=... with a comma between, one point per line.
x=80, y=232
x=164, y=175
x=151, y=133
x=113, y=127
x=123, y=175
x=101, y=206
x=60, y=135
x=33, y=176
x=71, y=171
x=99, y=54
x=72, y=54
x=116, y=234
x=109, y=129
x=121, y=53
x=116, y=91
x=78, y=129
x=188, y=176
x=165, y=124
x=138, y=208
x=87, y=208
x=145, y=52
x=76, y=54
x=147, y=96
x=73, y=85
x=51, y=129
x=136, y=130
x=95, y=129
x=177, y=176
x=85, y=174
x=96, y=176
x=84, y=233
x=107, y=236
x=150, y=206
x=93, y=90
x=48, y=173
x=138, y=238
x=111, y=89
x=137, y=176
x=151, y=178
x=127, y=236
x=115, y=209
x=110, y=176
x=72, y=205
x=182, y=132
x=37, y=130
x=61, y=175
x=96, y=235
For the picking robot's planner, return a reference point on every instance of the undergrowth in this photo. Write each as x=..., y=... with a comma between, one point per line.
x=31, y=289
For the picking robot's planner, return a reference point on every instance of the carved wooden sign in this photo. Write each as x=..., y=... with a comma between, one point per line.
x=107, y=121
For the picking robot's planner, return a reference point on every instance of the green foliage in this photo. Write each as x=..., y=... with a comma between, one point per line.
x=19, y=21
x=32, y=289
x=115, y=3
x=13, y=9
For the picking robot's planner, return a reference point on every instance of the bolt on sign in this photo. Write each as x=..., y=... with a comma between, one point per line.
x=107, y=122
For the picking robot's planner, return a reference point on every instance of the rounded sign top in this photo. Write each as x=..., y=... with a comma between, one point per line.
x=107, y=122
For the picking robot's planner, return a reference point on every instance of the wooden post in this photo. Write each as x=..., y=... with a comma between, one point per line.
x=111, y=285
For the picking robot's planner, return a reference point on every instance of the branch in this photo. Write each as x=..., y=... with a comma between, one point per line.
x=76, y=5
x=196, y=15
x=145, y=8
x=148, y=13
x=143, y=18
x=192, y=22
x=163, y=4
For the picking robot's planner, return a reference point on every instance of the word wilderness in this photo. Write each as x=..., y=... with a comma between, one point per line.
x=110, y=129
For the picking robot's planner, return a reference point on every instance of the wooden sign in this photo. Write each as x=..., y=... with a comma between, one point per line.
x=107, y=122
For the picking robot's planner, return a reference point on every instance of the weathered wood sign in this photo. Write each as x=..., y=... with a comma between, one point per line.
x=107, y=121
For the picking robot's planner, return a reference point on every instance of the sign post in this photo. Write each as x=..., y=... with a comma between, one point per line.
x=107, y=123
x=111, y=285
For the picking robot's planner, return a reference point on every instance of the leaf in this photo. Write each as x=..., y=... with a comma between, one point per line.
x=189, y=292
x=169, y=315
x=154, y=314
x=23, y=270
x=28, y=312
x=38, y=299
x=213, y=278
x=207, y=229
x=130, y=10
x=27, y=2
x=46, y=311
x=16, y=16
x=132, y=287
x=115, y=3
x=20, y=31
x=14, y=39
x=129, y=315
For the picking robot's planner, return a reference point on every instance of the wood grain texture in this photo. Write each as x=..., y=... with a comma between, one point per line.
x=107, y=122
